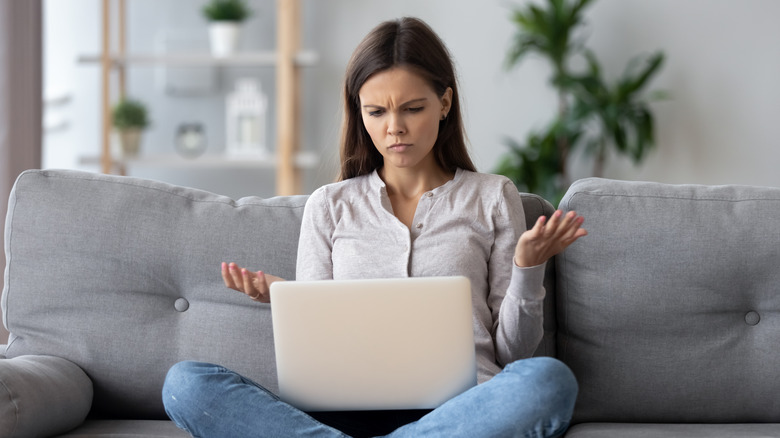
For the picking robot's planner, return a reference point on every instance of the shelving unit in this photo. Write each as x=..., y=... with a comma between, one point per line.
x=245, y=59
x=288, y=161
x=303, y=160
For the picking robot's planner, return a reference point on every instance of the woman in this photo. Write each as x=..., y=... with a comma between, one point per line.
x=408, y=186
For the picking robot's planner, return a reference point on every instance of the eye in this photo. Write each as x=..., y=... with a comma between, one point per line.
x=415, y=109
x=376, y=113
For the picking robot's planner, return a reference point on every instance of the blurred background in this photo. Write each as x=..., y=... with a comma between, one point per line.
x=717, y=124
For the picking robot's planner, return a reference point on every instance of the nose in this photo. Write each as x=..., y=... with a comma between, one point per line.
x=395, y=125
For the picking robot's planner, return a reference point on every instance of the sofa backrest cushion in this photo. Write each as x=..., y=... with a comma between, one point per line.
x=668, y=309
x=122, y=277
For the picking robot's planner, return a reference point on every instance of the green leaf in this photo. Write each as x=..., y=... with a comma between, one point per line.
x=226, y=10
x=593, y=113
x=632, y=81
x=129, y=113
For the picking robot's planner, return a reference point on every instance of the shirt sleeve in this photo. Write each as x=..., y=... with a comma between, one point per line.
x=315, y=245
x=516, y=294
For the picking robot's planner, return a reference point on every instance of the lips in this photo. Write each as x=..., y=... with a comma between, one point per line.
x=399, y=147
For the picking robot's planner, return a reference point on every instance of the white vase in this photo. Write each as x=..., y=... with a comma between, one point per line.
x=130, y=142
x=224, y=37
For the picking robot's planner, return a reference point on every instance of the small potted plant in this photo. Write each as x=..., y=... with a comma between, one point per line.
x=129, y=118
x=225, y=18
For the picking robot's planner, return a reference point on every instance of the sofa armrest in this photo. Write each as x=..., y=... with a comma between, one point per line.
x=42, y=396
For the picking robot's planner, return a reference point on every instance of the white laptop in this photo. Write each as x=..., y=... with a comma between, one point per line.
x=385, y=344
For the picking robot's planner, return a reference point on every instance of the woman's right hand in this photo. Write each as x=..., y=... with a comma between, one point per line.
x=256, y=285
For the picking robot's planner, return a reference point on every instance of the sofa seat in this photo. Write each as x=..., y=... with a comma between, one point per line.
x=127, y=429
x=650, y=430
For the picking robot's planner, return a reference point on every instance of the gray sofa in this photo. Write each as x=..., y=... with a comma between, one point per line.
x=665, y=312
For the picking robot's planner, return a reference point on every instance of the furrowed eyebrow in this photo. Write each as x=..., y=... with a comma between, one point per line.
x=411, y=102
x=414, y=101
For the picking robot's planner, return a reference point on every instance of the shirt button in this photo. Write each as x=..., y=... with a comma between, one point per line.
x=420, y=225
x=429, y=194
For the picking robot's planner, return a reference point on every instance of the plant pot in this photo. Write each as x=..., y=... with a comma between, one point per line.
x=130, y=142
x=224, y=36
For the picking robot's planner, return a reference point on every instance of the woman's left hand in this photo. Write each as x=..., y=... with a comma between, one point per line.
x=256, y=285
x=548, y=238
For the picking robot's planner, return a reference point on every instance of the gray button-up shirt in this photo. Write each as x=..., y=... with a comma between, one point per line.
x=468, y=226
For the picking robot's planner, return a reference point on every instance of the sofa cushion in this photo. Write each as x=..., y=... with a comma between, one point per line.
x=122, y=277
x=42, y=396
x=127, y=429
x=668, y=309
x=649, y=430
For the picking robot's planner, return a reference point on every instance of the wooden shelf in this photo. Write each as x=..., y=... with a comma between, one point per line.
x=303, y=160
x=248, y=59
x=287, y=60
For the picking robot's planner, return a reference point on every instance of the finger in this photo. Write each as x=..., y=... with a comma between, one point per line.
x=235, y=274
x=249, y=287
x=538, y=227
x=261, y=283
x=568, y=223
x=568, y=220
x=227, y=277
x=571, y=223
x=571, y=217
x=555, y=218
x=580, y=231
x=575, y=231
x=554, y=223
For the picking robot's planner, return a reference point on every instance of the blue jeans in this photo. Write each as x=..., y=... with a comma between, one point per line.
x=529, y=398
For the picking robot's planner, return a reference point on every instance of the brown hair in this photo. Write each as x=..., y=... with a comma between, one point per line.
x=406, y=42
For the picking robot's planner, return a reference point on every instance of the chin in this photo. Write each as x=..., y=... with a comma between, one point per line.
x=401, y=164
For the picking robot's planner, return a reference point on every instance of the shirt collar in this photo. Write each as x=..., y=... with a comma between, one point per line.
x=379, y=185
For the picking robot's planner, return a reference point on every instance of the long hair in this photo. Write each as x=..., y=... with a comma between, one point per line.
x=406, y=42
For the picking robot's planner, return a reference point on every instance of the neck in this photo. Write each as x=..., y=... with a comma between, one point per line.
x=412, y=183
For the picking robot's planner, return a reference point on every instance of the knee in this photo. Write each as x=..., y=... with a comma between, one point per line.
x=183, y=380
x=551, y=377
x=549, y=391
x=184, y=373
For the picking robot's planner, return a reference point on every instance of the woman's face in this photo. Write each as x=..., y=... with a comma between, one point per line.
x=401, y=113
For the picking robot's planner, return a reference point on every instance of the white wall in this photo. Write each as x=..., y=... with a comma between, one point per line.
x=721, y=71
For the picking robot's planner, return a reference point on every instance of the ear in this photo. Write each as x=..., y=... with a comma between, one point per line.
x=446, y=102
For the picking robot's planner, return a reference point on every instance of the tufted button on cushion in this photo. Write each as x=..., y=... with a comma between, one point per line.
x=157, y=243
x=752, y=318
x=690, y=277
x=181, y=305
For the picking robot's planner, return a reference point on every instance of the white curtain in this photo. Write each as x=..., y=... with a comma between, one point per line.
x=20, y=98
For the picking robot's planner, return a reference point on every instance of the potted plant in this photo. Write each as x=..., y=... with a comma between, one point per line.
x=129, y=118
x=593, y=114
x=225, y=18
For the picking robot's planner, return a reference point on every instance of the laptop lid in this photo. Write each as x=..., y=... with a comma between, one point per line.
x=382, y=344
